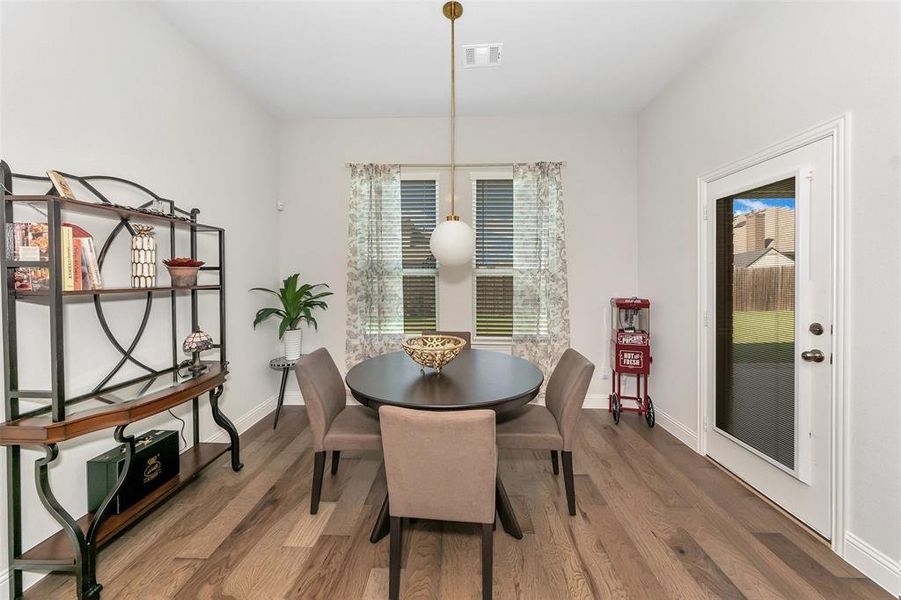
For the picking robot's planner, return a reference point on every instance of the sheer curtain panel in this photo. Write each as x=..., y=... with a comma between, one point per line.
x=375, y=290
x=540, y=287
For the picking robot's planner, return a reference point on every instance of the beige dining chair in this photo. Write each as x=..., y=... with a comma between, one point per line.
x=335, y=425
x=460, y=334
x=552, y=427
x=441, y=466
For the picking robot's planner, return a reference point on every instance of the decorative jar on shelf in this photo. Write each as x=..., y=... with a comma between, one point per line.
x=183, y=271
x=293, y=341
x=143, y=257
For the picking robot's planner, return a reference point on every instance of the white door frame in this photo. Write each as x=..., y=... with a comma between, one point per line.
x=838, y=131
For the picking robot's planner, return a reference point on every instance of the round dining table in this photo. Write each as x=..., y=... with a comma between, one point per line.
x=476, y=379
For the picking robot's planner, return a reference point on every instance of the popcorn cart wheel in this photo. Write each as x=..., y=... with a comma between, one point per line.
x=630, y=355
x=616, y=408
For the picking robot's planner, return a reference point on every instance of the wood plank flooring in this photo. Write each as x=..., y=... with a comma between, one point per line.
x=655, y=520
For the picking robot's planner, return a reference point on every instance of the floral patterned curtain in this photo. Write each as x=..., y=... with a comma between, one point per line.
x=540, y=290
x=375, y=300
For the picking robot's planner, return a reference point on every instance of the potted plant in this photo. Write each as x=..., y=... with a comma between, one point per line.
x=298, y=304
x=183, y=271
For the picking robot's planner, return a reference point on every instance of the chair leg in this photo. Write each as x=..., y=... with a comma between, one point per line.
x=568, y=482
x=336, y=456
x=487, y=560
x=318, y=468
x=394, y=558
x=554, y=463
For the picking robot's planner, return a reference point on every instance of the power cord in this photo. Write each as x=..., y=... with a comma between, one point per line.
x=181, y=432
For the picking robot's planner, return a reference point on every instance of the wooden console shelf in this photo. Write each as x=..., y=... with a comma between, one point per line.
x=42, y=429
x=57, y=549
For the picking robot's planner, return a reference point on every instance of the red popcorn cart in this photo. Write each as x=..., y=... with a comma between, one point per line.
x=630, y=354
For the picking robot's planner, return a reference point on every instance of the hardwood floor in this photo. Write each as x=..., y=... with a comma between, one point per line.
x=655, y=520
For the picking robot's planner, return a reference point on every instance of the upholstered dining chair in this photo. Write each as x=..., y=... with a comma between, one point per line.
x=441, y=466
x=552, y=427
x=460, y=334
x=335, y=425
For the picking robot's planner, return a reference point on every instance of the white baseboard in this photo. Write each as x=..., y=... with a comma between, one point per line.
x=247, y=420
x=594, y=400
x=4, y=577
x=293, y=397
x=680, y=430
x=873, y=563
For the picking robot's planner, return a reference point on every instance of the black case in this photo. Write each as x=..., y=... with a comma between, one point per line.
x=155, y=462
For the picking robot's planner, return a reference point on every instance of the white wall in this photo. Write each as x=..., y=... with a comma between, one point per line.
x=786, y=68
x=599, y=196
x=112, y=89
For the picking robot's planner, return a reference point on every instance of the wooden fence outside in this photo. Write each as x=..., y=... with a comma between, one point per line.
x=766, y=288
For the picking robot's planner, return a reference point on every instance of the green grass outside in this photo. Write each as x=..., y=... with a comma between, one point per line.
x=763, y=327
x=763, y=336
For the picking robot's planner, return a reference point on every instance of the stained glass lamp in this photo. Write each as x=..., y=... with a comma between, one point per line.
x=194, y=344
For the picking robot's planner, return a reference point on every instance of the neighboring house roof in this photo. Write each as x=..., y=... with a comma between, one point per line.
x=746, y=259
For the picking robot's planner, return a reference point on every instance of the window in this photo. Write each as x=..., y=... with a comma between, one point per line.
x=493, y=271
x=419, y=209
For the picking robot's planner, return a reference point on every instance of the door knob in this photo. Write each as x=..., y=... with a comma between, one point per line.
x=813, y=355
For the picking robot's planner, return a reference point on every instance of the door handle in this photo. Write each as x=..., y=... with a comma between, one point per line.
x=813, y=355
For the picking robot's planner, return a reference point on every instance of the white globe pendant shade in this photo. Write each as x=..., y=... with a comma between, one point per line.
x=452, y=243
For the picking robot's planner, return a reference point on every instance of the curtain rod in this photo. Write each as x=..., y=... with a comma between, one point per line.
x=447, y=165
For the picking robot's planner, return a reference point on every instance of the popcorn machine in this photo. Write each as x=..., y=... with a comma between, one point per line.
x=630, y=354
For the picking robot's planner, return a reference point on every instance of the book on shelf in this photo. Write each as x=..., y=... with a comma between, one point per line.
x=78, y=270
x=61, y=185
x=66, y=242
x=78, y=257
x=29, y=241
x=85, y=259
x=89, y=258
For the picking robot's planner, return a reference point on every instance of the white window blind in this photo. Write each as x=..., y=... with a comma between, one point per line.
x=419, y=209
x=493, y=270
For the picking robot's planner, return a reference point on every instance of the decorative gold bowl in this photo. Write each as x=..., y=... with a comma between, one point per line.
x=434, y=351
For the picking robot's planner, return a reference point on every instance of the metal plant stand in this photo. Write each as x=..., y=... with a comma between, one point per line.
x=110, y=403
x=285, y=365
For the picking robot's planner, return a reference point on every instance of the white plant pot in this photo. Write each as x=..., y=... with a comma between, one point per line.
x=293, y=341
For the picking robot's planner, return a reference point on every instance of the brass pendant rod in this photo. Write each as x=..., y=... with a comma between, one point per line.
x=453, y=132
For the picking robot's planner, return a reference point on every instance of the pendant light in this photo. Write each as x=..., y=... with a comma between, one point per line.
x=453, y=241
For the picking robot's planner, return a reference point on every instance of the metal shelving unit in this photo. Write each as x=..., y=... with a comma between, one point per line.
x=117, y=405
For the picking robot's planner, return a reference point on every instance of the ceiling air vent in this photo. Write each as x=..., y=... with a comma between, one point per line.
x=482, y=55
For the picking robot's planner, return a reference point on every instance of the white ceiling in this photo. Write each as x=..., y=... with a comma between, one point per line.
x=375, y=59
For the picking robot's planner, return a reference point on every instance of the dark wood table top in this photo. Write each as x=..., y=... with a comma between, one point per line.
x=475, y=379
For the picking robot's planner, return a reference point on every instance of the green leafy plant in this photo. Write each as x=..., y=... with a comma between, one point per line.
x=298, y=304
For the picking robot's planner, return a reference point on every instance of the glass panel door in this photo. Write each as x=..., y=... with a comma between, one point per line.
x=768, y=374
x=755, y=320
